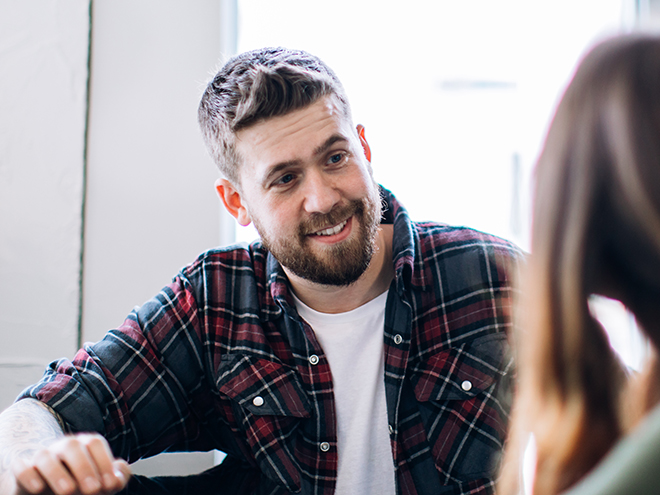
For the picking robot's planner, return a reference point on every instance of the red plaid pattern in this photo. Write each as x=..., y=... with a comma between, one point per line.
x=221, y=359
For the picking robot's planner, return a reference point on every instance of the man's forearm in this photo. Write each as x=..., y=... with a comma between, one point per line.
x=25, y=427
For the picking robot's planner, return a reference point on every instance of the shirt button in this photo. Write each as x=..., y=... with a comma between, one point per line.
x=391, y=429
x=398, y=339
x=466, y=385
x=313, y=359
x=258, y=401
x=325, y=446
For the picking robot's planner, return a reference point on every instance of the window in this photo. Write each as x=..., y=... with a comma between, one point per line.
x=455, y=95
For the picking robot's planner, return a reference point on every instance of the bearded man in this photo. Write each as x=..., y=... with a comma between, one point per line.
x=349, y=350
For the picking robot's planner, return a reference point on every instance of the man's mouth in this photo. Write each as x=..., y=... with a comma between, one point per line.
x=332, y=230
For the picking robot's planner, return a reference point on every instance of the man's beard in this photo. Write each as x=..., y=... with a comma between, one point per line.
x=340, y=264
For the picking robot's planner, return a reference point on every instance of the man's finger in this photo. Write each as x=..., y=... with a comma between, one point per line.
x=122, y=470
x=76, y=457
x=99, y=451
x=27, y=477
x=53, y=472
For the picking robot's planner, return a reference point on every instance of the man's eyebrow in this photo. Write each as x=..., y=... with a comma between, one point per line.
x=328, y=143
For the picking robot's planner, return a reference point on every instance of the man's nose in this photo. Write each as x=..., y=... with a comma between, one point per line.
x=320, y=193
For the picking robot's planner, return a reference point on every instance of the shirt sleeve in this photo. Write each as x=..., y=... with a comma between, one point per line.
x=141, y=385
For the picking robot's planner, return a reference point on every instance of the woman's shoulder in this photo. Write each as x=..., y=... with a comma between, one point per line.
x=632, y=466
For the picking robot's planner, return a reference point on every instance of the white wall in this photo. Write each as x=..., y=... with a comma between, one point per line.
x=150, y=205
x=43, y=74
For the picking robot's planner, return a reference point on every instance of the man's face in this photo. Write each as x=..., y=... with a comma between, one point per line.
x=308, y=187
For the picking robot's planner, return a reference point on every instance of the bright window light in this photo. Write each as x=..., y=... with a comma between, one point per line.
x=455, y=95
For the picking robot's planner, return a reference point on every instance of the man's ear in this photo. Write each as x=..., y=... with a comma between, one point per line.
x=363, y=142
x=233, y=201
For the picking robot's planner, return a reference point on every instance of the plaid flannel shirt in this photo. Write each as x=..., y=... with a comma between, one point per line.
x=220, y=359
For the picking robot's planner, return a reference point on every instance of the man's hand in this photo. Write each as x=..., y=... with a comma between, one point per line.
x=37, y=458
x=77, y=464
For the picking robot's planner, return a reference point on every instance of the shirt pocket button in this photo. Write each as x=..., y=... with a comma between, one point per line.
x=258, y=401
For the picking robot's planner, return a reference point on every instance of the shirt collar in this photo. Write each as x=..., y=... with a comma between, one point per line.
x=410, y=270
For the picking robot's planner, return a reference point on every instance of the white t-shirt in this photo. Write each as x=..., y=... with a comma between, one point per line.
x=353, y=345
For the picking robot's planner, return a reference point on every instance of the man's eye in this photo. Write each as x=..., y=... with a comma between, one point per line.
x=336, y=158
x=285, y=179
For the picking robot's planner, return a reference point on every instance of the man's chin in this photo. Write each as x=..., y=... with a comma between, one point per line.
x=331, y=279
x=334, y=269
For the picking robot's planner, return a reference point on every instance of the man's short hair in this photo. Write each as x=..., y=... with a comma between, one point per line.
x=258, y=85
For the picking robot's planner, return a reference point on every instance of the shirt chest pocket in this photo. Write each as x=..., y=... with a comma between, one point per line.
x=464, y=395
x=268, y=402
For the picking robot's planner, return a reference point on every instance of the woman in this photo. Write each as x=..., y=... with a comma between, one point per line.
x=596, y=230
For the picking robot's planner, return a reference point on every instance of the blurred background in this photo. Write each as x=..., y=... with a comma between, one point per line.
x=106, y=189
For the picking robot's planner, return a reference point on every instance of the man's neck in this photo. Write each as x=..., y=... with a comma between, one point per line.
x=339, y=299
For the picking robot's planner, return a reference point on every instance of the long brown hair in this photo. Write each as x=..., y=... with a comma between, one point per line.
x=596, y=230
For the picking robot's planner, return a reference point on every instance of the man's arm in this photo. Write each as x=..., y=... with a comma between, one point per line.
x=37, y=457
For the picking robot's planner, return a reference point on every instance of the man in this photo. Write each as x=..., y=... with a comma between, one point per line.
x=350, y=351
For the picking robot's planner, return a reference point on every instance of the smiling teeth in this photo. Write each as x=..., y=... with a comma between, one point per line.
x=333, y=230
